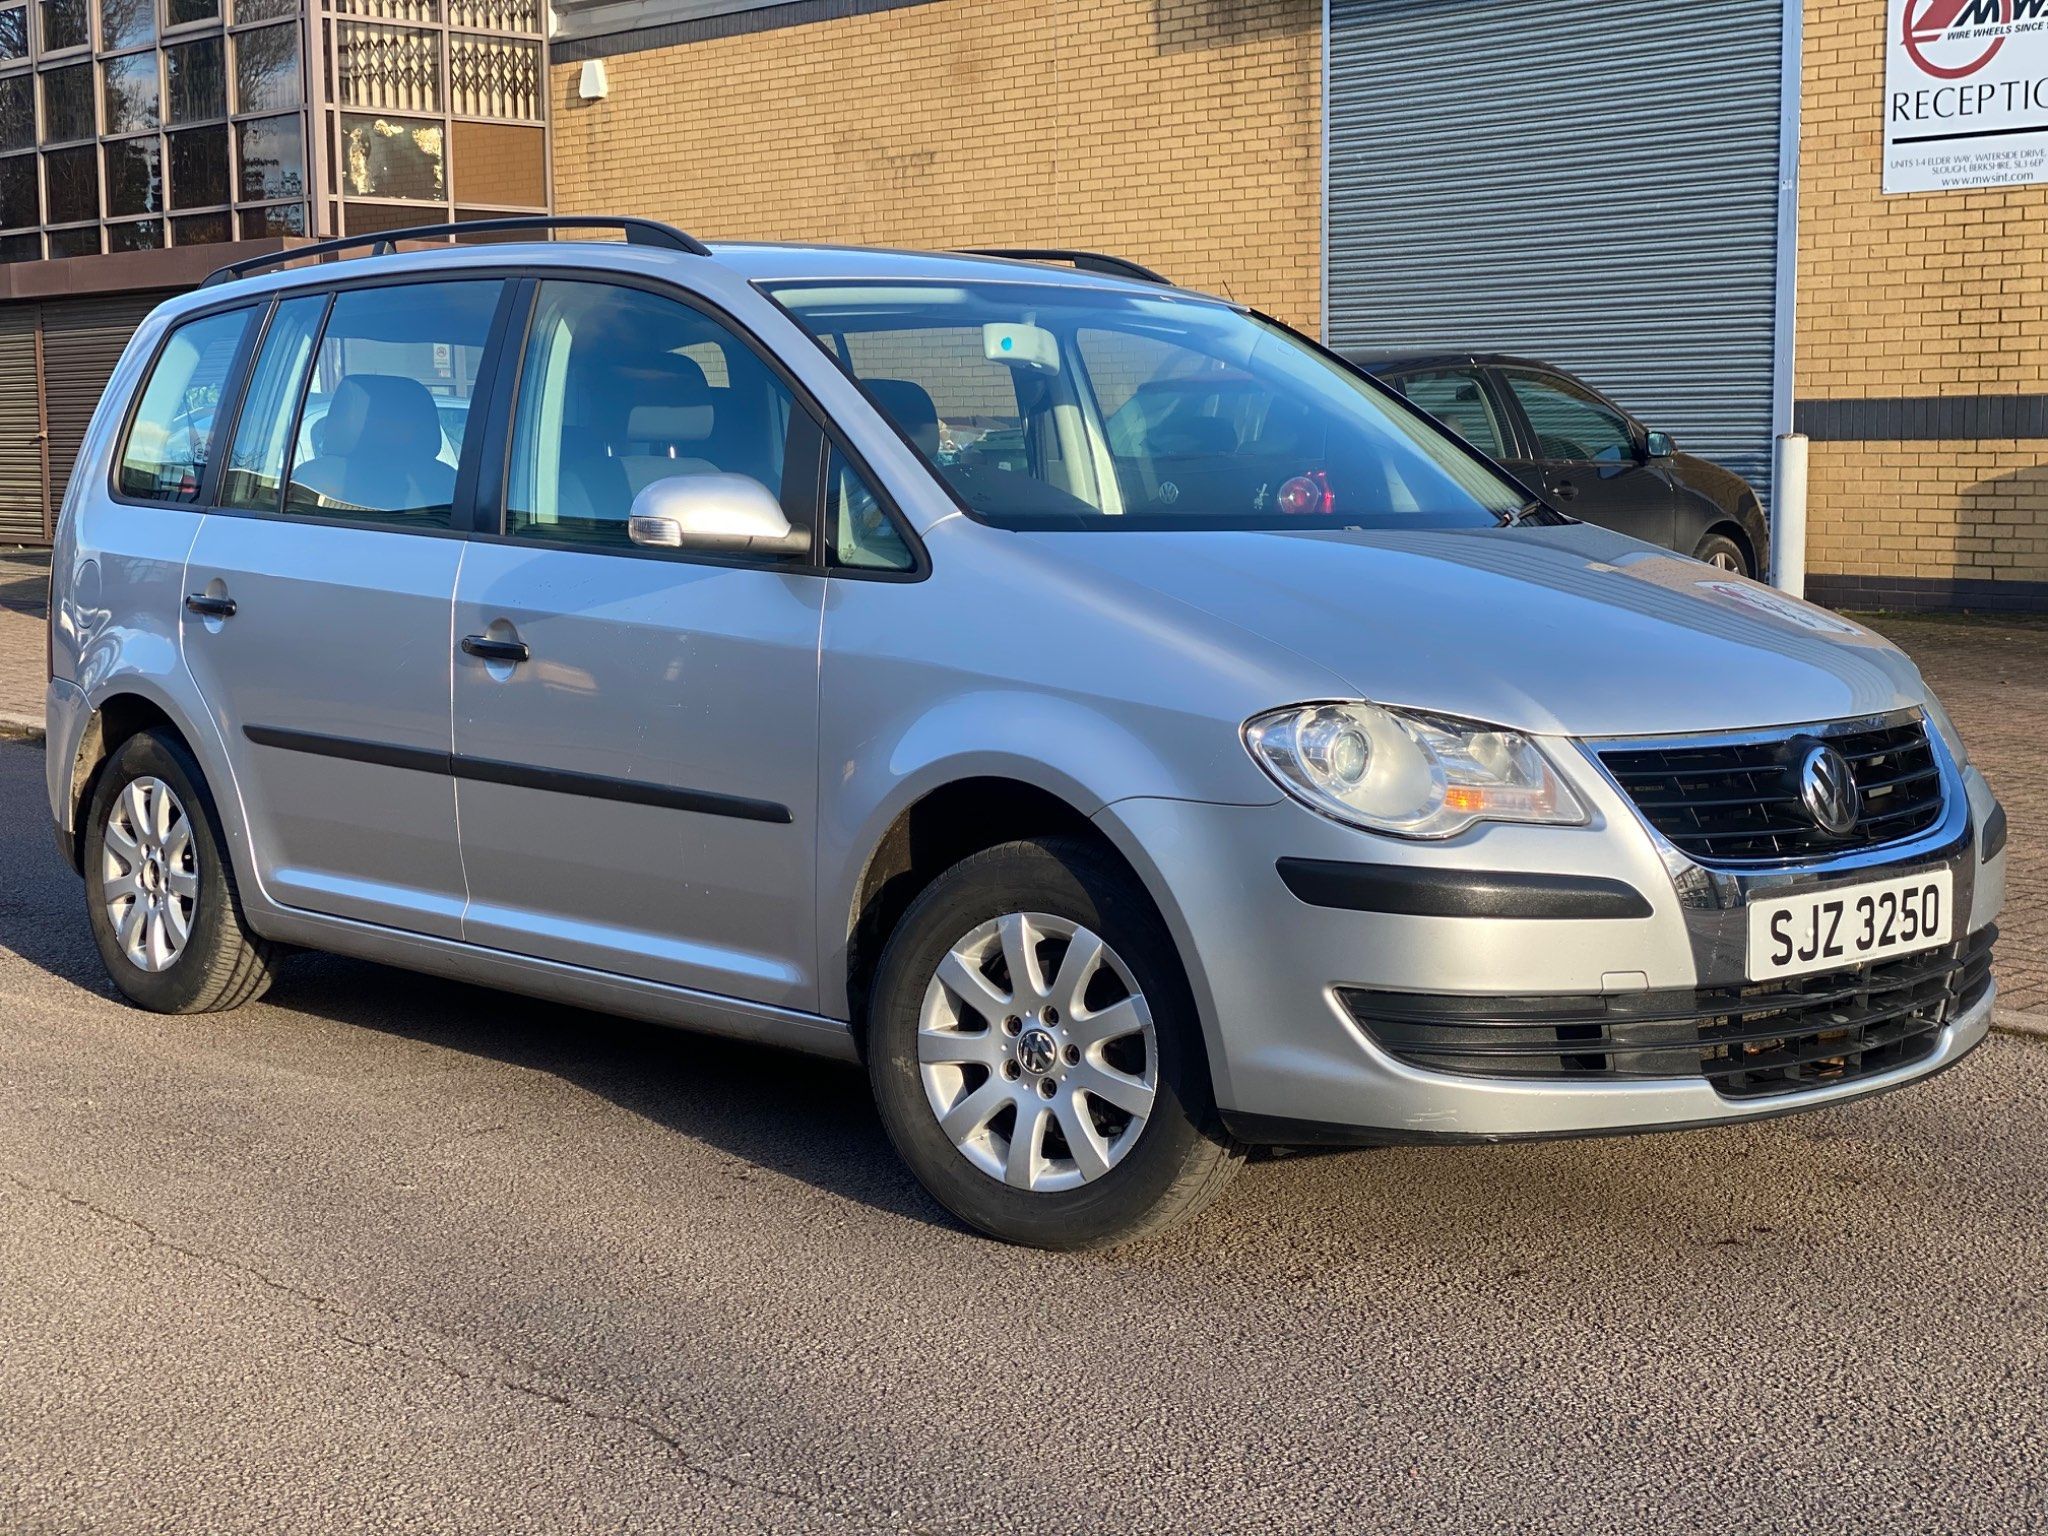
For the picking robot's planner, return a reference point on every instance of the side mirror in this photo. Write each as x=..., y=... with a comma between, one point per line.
x=714, y=514
x=1661, y=446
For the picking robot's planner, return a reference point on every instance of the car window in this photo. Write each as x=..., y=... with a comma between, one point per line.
x=864, y=537
x=1045, y=405
x=171, y=438
x=1459, y=400
x=620, y=388
x=255, y=466
x=372, y=444
x=1569, y=422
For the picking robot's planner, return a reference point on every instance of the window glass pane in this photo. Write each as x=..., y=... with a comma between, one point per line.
x=201, y=229
x=280, y=219
x=14, y=32
x=73, y=176
x=387, y=407
x=127, y=23
x=199, y=167
x=197, y=81
x=75, y=242
x=19, y=200
x=166, y=453
x=18, y=112
x=21, y=248
x=272, y=158
x=267, y=68
x=178, y=13
x=135, y=176
x=499, y=163
x=388, y=68
x=140, y=235
x=371, y=218
x=64, y=24
x=615, y=398
x=1569, y=424
x=392, y=157
x=130, y=90
x=1460, y=402
x=67, y=104
x=863, y=535
x=265, y=10
x=255, y=467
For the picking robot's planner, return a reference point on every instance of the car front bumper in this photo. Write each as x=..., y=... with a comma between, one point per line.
x=1460, y=921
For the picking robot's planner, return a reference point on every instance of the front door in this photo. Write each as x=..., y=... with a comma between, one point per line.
x=1588, y=457
x=636, y=729
x=319, y=626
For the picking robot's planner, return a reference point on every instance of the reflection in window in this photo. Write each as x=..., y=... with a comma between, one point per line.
x=201, y=229
x=21, y=248
x=135, y=176
x=18, y=112
x=392, y=157
x=67, y=104
x=136, y=235
x=75, y=242
x=19, y=196
x=197, y=80
x=863, y=537
x=127, y=23
x=170, y=440
x=272, y=158
x=389, y=69
x=130, y=90
x=73, y=178
x=179, y=13
x=255, y=466
x=501, y=163
x=267, y=69
x=199, y=167
x=64, y=24
x=278, y=219
x=14, y=32
x=265, y=10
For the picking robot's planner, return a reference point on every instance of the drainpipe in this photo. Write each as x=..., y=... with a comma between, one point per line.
x=1788, y=477
x=1788, y=516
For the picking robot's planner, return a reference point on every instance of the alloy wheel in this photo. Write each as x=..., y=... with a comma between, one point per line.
x=149, y=874
x=1037, y=1052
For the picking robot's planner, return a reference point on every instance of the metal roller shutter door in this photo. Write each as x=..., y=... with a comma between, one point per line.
x=82, y=341
x=1594, y=184
x=21, y=429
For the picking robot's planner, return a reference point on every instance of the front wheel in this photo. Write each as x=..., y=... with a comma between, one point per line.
x=1723, y=554
x=1035, y=1054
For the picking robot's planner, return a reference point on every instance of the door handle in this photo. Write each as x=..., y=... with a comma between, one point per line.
x=484, y=648
x=209, y=606
x=1565, y=490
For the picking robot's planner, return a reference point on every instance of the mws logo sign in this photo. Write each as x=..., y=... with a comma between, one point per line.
x=1953, y=39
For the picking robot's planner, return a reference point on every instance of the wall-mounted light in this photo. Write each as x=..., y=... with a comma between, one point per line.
x=593, y=86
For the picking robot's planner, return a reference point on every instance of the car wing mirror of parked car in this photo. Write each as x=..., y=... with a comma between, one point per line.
x=714, y=514
x=1660, y=445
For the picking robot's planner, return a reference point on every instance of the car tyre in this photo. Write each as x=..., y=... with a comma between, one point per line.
x=1093, y=1172
x=1723, y=553
x=160, y=890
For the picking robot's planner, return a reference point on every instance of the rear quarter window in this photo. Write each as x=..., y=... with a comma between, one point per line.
x=170, y=440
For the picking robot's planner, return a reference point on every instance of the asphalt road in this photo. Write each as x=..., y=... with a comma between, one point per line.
x=389, y=1254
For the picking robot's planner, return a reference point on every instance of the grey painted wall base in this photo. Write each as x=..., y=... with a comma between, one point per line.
x=1928, y=594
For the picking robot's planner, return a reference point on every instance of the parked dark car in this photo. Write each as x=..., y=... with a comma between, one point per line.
x=1587, y=455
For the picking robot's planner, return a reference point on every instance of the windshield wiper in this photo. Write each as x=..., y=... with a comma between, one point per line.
x=1534, y=511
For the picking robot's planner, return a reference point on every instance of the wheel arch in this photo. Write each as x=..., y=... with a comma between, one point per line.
x=116, y=717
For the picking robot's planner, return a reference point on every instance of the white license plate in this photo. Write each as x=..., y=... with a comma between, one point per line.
x=1851, y=924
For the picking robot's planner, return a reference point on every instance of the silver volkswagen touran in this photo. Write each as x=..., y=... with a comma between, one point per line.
x=1128, y=730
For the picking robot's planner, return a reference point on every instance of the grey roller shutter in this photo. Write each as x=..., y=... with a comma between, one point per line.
x=21, y=443
x=1593, y=184
x=82, y=341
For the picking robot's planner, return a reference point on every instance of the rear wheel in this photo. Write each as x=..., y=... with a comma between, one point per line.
x=160, y=893
x=1723, y=554
x=1035, y=1054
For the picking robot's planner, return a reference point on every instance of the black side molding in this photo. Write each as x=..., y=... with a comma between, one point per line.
x=482, y=770
x=1993, y=840
x=1412, y=892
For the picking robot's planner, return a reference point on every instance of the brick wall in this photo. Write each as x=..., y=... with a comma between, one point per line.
x=1940, y=295
x=1184, y=134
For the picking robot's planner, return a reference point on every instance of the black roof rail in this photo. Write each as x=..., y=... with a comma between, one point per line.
x=1080, y=261
x=385, y=242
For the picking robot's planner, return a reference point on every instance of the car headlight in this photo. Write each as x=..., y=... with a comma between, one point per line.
x=1945, y=728
x=1405, y=773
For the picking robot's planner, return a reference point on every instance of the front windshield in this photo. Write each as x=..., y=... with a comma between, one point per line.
x=1048, y=406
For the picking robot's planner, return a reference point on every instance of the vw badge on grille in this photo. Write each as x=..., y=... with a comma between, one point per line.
x=1828, y=791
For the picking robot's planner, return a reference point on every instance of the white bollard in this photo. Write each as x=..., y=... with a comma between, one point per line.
x=1788, y=516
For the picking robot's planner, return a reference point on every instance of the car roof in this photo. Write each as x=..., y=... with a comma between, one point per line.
x=754, y=261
